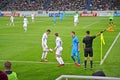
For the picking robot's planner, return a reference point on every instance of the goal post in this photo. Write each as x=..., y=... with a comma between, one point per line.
x=85, y=77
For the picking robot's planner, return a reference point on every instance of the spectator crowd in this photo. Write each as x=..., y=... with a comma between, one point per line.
x=62, y=5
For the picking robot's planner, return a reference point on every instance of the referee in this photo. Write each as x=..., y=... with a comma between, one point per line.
x=88, y=50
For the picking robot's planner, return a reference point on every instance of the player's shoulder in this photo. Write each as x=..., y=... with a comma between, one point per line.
x=76, y=37
x=44, y=34
x=58, y=38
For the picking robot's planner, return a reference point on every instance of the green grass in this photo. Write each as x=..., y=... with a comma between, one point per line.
x=16, y=45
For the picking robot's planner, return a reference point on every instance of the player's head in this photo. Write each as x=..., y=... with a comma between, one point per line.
x=87, y=32
x=48, y=31
x=72, y=33
x=7, y=65
x=56, y=35
x=24, y=16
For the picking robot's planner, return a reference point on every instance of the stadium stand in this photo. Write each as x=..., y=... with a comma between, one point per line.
x=62, y=5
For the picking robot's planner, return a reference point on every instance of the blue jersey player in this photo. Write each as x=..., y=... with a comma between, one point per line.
x=54, y=19
x=75, y=49
x=61, y=17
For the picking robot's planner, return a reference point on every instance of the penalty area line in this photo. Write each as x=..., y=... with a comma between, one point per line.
x=110, y=49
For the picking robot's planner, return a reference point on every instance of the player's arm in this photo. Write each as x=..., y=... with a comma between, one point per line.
x=98, y=34
x=83, y=44
x=57, y=44
x=78, y=46
x=43, y=41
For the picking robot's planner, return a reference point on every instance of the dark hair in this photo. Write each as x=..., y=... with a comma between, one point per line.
x=88, y=32
x=56, y=34
x=48, y=30
x=7, y=65
x=73, y=32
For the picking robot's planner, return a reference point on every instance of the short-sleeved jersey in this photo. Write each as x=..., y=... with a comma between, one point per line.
x=32, y=16
x=25, y=21
x=58, y=43
x=76, y=16
x=88, y=41
x=11, y=18
x=111, y=16
x=11, y=75
x=75, y=43
x=44, y=39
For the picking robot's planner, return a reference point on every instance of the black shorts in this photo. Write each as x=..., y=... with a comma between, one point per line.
x=110, y=19
x=88, y=51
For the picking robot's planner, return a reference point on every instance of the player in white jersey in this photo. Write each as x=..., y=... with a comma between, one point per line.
x=11, y=20
x=59, y=49
x=44, y=46
x=76, y=19
x=25, y=22
x=32, y=17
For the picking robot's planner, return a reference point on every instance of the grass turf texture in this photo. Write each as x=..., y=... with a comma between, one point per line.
x=17, y=45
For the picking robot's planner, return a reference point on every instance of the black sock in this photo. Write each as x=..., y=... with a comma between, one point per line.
x=91, y=63
x=85, y=63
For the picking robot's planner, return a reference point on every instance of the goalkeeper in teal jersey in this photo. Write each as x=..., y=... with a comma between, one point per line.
x=111, y=19
x=11, y=75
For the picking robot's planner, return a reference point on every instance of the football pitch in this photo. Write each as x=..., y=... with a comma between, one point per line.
x=24, y=49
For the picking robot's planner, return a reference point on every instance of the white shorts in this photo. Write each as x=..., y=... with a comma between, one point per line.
x=76, y=20
x=45, y=48
x=24, y=25
x=12, y=21
x=32, y=17
x=59, y=51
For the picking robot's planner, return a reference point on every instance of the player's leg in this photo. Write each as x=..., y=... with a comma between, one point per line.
x=10, y=23
x=43, y=58
x=25, y=28
x=91, y=59
x=73, y=58
x=59, y=58
x=75, y=24
x=85, y=58
x=54, y=22
x=13, y=23
x=110, y=21
x=78, y=56
x=44, y=54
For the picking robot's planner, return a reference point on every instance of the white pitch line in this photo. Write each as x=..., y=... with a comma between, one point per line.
x=110, y=49
x=32, y=62
x=90, y=24
x=35, y=62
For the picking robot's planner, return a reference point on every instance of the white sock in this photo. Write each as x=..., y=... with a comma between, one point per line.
x=58, y=59
x=61, y=60
x=43, y=56
x=46, y=54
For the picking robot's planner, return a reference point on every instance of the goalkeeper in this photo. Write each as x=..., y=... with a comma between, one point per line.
x=111, y=19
